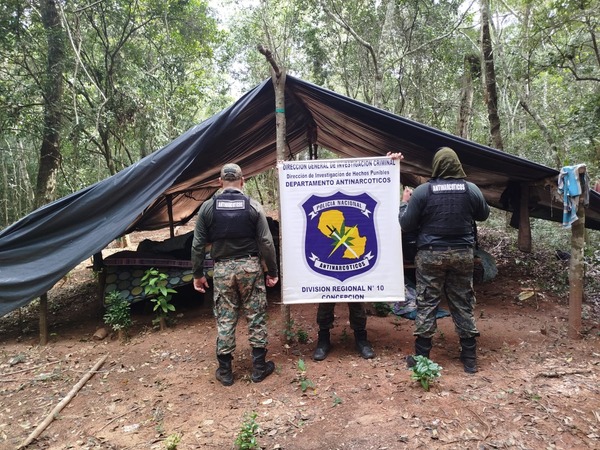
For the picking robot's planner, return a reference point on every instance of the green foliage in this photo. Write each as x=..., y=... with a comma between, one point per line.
x=154, y=283
x=264, y=187
x=336, y=400
x=118, y=311
x=172, y=441
x=300, y=335
x=344, y=337
x=139, y=74
x=425, y=371
x=382, y=309
x=247, y=436
x=303, y=381
x=289, y=331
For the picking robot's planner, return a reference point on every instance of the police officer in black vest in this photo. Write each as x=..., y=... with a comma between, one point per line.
x=237, y=228
x=443, y=212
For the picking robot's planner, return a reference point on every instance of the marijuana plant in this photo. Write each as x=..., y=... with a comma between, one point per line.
x=118, y=313
x=247, y=437
x=304, y=382
x=425, y=371
x=154, y=283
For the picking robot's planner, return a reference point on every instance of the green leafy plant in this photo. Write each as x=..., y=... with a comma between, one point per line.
x=302, y=336
x=290, y=334
x=345, y=336
x=154, y=283
x=289, y=331
x=304, y=382
x=425, y=371
x=382, y=309
x=247, y=436
x=172, y=441
x=118, y=313
x=336, y=400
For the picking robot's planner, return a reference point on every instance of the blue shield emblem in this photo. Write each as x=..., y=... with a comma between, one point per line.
x=340, y=239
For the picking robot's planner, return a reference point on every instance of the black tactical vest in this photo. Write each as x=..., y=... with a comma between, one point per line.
x=231, y=217
x=448, y=210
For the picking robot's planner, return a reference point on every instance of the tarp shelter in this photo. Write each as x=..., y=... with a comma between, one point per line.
x=168, y=186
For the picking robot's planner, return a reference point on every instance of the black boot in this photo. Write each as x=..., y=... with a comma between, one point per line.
x=362, y=345
x=261, y=369
x=422, y=348
x=468, y=354
x=224, y=373
x=323, y=345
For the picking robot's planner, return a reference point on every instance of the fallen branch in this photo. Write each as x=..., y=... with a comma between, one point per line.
x=50, y=417
x=118, y=417
x=28, y=369
x=571, y=428
x=482, y=422
x=562, y=374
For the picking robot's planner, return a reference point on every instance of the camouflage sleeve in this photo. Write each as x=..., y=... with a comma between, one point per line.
x=200, y=240
x=264, y=240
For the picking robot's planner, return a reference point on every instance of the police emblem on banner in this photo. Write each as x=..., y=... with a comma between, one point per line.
x=340, y=240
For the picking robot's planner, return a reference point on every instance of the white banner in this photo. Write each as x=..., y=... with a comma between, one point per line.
x=340, y=234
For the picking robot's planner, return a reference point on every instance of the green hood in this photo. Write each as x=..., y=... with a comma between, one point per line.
x=446, y=164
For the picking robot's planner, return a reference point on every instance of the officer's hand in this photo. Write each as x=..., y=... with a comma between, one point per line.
x=399, y=156
x=406, y=194
x=271, y=281
x=201, y=285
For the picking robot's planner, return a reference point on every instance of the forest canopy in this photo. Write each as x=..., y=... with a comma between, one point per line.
x=88, y=88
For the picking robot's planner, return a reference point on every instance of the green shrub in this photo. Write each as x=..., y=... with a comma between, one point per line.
x=154, y=283
x=247, y=437
x=118, y=311
x=425, y=371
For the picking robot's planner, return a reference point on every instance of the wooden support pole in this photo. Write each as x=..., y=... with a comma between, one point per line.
x=170, y=212
x=280, y=123
x=524, y=239
x=278, y=77
x=44, y=319
x=100, y=269
x=576, y=273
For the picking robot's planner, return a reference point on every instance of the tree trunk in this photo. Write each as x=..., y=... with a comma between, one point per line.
x=557, y=154
x=377, y=76
x=5, y=191
x=465, y=112
x=385, y=43
x=50, y=156
x=491, y=92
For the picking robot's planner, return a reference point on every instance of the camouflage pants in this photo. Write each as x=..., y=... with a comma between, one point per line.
x=239, y=286
x=449, y=273
x=357, y=313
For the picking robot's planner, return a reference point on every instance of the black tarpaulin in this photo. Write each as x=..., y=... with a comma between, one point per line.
x=42, y=247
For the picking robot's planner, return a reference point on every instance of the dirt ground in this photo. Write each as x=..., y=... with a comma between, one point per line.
x=536, y=389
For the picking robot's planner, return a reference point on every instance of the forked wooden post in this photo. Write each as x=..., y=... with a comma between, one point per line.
x=278, y=76
x=279, y=83
x=576, y=270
